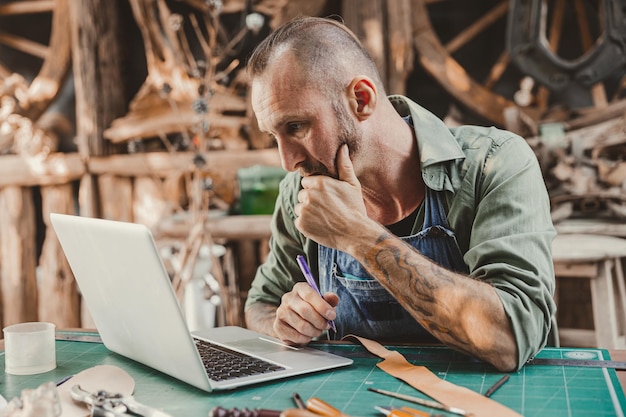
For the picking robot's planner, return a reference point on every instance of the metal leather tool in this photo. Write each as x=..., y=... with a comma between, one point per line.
x=243, y=412
x=106, y=404
x=77, y=336
x=421, y=401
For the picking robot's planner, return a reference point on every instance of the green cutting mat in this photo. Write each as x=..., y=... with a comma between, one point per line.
x=536, y=390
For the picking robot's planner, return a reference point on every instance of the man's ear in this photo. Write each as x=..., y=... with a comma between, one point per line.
x=362, y=94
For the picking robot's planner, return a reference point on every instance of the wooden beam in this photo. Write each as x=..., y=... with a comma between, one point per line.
x=157, y=122
x=26, y=7
x=53, y=72
x=163, y=163
x=240, y=227
x=449, y=74
x=56, y=169
x=477, y=27
x=24, y=45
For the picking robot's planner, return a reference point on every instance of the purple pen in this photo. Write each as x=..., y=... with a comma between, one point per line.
x=306, y=271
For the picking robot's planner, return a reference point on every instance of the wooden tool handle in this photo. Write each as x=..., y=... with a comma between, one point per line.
x=322, y=408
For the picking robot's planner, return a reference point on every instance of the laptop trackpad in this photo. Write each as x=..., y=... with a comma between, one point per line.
x=260, y=346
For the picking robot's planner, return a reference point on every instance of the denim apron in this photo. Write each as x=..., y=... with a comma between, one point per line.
x=365, y=307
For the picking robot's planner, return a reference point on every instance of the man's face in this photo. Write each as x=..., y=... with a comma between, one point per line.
x=308, y=127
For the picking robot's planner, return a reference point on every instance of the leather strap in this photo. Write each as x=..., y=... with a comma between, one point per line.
x=422, y=379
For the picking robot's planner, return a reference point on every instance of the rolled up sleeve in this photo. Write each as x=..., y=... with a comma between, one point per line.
x=511, y=241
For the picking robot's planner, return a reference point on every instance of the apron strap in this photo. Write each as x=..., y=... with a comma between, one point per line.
x=435, y=214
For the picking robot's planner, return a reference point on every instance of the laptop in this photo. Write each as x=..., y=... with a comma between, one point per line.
x=133, y=305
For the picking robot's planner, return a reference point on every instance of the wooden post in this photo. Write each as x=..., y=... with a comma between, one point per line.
x=99, y=84
x=59, y=301
x=400, y=45
x=18, y=251
x=149, y=203
x=88, y=196
x=385, y=28
x=118, y=204
x=96, y=61
x=366, y=19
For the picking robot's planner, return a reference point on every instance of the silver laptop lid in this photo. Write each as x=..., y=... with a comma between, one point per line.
x=129, y=294
x=134, y=307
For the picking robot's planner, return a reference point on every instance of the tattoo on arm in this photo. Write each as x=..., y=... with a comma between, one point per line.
x=392, y=262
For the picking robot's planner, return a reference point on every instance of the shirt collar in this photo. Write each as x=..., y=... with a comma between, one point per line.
x=435, y=142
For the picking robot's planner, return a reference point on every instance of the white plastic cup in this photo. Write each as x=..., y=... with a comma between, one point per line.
x=29, y=348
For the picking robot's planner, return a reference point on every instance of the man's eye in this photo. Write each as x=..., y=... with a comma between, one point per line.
x=293, y=128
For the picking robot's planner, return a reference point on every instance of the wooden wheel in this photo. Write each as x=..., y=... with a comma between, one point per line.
x=546, y=60
x=37, y=34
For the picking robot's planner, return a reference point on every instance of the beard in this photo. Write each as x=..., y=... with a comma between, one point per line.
x=348, y=135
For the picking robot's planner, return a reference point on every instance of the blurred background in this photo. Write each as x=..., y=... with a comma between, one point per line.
x=138, y=110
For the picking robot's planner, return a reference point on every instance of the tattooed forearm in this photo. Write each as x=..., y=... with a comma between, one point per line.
x=416, y=282
x=462, y=312
x=386, y=259
x=392, y=261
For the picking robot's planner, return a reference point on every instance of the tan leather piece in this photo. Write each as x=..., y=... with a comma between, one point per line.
x=422, y=379
x=103, y=377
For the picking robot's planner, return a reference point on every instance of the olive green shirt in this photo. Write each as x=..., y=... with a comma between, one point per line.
x=497, y=204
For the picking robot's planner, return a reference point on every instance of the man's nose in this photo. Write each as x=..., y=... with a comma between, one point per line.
x=291, y=155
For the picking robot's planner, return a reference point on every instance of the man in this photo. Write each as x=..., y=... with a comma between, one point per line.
x=415, y=230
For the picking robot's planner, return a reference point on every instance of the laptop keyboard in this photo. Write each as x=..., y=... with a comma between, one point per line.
x=222, y=364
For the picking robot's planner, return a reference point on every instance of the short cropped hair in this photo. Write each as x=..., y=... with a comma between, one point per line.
x=324, y=48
